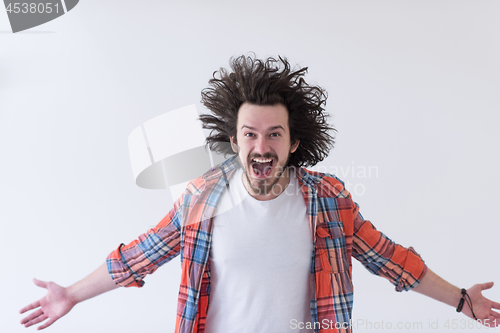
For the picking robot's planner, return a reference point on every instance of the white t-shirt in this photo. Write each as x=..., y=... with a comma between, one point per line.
x=260, y=261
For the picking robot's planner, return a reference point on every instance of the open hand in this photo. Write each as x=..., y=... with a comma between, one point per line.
x=483, y=307
x=51, y=307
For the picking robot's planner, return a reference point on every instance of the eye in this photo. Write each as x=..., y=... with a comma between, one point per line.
x=249, y=135
x=274, y=135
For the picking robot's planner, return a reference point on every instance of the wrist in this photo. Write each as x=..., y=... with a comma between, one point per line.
x=457, y=296
x=73, y=294
x=465, y=301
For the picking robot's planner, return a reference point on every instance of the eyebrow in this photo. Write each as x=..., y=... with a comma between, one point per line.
x=272, y=128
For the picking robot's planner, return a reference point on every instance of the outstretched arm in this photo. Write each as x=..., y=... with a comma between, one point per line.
x=435, y=287
x=59, y=300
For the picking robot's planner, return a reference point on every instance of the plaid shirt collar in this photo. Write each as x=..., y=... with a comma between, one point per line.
x=216, y=180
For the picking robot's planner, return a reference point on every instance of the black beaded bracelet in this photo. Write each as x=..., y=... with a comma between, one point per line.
x=465, y=297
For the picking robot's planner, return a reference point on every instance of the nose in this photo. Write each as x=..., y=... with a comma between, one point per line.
x=262, y=146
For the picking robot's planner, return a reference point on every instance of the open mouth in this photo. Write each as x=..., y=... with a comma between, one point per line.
x=262, y=167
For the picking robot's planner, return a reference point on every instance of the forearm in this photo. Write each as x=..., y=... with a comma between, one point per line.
x=96, y=283
x=435, y=287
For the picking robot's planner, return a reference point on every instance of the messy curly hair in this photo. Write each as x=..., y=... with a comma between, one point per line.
x=268, y=82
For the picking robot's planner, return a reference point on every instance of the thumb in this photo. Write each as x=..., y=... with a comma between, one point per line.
x=39, y=283
x=486, y=285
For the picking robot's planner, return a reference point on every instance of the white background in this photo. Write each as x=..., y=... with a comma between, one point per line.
x=413, y=90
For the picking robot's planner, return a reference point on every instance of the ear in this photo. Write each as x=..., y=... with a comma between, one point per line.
x=294, y=146
x=234, y=145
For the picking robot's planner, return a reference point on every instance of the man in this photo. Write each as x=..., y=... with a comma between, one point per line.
x=265, y=244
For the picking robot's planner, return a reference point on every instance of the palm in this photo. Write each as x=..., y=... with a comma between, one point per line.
x=482, y=307
x=52, y=306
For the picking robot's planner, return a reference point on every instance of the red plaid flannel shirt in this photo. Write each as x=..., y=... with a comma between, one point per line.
x=338, y=232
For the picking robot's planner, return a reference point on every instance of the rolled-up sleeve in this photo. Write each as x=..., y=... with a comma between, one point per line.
x=129, y=264
x=402, y=266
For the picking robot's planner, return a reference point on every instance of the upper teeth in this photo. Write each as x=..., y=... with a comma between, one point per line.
x=262, y=160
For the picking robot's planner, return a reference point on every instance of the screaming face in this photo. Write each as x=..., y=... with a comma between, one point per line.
x=263, y=146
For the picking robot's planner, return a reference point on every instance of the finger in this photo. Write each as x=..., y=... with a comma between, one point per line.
x=47, y=324
x=32, y=306
x=36, y=320
x=495, y=305
x=494, y=320
x=32, y=316
x=486, y=285
x=40, y=283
